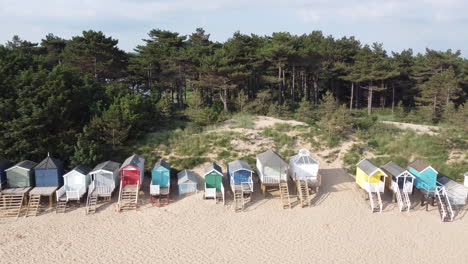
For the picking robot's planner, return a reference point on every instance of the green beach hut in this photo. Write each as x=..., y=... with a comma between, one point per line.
x=21, y=175
x=213, y=175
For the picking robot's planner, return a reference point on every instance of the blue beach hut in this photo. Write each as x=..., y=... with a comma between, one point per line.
x=49, y=172
x=426, y=176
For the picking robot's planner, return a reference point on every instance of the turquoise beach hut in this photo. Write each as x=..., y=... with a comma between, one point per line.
x=160, y=179
x=426, y=176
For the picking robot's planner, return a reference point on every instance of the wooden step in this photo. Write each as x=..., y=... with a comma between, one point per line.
x=10, y=205
x=284, y=193
x=33, y=205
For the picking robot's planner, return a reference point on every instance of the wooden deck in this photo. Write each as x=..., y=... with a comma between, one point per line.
x=43, y=191
x=130, y=188
x=16, y=191
x=244, y=187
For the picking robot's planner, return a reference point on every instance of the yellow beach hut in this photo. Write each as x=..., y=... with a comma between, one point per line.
x=371, y=179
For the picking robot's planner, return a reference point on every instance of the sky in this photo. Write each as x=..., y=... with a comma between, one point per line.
x=398, y=24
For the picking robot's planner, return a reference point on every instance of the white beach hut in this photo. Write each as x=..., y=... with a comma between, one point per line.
x=75, y=185
x=187, y=181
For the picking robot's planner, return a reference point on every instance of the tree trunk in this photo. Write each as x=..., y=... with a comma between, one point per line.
x=393, y=97
x=351, y=99
x=369, y=100
x=293, y=83
x=357, y=96
x=280, y=99
x=224, y=99
x=315, y=80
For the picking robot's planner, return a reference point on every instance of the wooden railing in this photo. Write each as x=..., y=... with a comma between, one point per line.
x=374, y=187
x=60, y=192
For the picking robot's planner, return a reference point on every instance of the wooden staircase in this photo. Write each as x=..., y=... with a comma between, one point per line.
x=61, y=205
x=91, y=203
x=128, y=199
x=303, y=193
x=238, y=201
x=11, y=204
x=33, y=205
x=375, y=202
x=284, y=193
x=445, y=209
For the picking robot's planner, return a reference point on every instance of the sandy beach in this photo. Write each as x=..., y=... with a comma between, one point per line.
x=338, y=228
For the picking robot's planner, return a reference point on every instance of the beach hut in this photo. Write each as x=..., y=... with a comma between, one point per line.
x=132, y=173
x=400, y=181
x=272, y=172
x=19, y=181
x=371, y=179
x=426, y=177
x=104, y=178
x=4, y=164
x=240, y=178
x=432, y=190
x=160, y=182
x=214, y=187
x=49, y=172
x=187, y=182
x=457, y=193
x=303, y=169
x=21, y=175
x=75, y=185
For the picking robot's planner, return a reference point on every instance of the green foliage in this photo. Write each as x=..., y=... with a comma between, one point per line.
x=334, y=120
x=243, y=120
x=280, y=139
x=183, y=163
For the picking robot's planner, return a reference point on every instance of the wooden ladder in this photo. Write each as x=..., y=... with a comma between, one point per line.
x=33, y=205
x=284, y=193
x=303, y=193
x=61, y=206
x=129, y=200
x=11, y=205
x=239, y=201
x=91, y=203
x=442, y=204
x=375, y=202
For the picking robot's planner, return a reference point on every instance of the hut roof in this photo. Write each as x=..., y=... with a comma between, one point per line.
x=185, y=176
x=393, y=168
x=162, y=163
x=25, y=164
x=303, y=157
x=238, y=165
x=134, y=160
x=109, y=165
x=420, y=166
x=213, y=166
x=49, y=163
x=82, y=169
x=271, y=158
x=3, y=161
x=367, y=166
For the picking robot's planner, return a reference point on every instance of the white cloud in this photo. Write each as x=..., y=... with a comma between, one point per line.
x=308, y=15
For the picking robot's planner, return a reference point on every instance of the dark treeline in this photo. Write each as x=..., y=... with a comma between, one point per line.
x=84, y=97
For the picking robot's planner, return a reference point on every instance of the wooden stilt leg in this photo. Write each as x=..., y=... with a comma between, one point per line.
x=263, y=190
x=50, y=200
